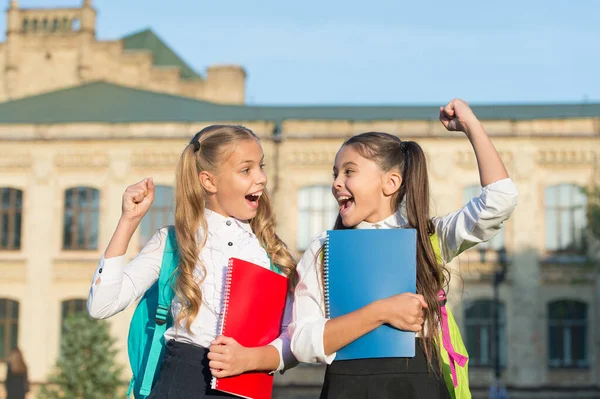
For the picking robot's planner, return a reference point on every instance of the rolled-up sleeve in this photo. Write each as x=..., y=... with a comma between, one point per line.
x=478, y=221
x=308, y=324
x=117, y=284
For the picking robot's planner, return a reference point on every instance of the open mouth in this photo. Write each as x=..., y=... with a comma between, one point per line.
x=345, y=202
x=252, y=199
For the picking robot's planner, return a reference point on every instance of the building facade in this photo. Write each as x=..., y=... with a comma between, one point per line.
x=72, y=139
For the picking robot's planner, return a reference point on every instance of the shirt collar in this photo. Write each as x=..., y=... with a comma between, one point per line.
x=394, y=221
x=216, y=221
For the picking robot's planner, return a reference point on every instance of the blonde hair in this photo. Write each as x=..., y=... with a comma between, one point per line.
x=17, y=363
x=207, y=150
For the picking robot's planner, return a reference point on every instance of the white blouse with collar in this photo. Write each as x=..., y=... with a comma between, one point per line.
x=122, y=283
x=478, y=221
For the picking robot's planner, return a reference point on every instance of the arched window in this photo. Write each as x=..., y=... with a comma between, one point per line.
x=567, y=334
x=479, y=325
x=160, y=214
x=82, y=211
x=565, y=206
x=11, y=217
x=9, y=326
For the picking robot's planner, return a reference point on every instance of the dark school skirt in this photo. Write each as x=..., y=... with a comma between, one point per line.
x=185, y=374
x=385, y=378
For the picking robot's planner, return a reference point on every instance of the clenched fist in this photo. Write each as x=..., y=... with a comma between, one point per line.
x=457, y=116
x=137, y=200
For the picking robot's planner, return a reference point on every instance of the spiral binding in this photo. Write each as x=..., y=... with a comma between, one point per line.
x=326, y=276
x=228, y=278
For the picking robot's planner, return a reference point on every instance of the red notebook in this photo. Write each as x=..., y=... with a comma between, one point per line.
x=254, y=303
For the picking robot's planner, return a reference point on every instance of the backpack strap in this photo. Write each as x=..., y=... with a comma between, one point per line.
x=169, y=263
x=454, y=357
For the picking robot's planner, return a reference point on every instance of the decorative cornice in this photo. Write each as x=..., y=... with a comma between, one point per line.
x=565, y=157
x=12, y=160
x=155, y=159
x=13, y=271
x=73, y=270
x=467, y=160
x=76, y=160
x=310, y=157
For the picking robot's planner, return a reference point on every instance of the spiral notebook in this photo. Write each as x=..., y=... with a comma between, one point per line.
x=362, y=266
x=254, y=304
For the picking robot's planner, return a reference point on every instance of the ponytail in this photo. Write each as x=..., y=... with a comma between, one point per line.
x=189, y=217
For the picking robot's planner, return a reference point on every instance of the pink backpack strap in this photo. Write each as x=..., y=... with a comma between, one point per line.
x=455, y=357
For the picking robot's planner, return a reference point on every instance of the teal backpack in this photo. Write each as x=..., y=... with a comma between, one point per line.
x=150, y=320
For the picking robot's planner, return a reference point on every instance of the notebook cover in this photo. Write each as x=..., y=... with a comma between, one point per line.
x=254, y=304
x=362, y=266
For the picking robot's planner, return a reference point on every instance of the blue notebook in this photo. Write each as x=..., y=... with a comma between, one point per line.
x=362, y=266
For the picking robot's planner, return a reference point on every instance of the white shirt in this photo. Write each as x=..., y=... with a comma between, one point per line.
x=122, y=283
x=478, y=221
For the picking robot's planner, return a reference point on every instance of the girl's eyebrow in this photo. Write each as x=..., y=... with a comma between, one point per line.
x=252, y=161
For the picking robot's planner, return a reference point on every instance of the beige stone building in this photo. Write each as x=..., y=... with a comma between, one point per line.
x=81, y=119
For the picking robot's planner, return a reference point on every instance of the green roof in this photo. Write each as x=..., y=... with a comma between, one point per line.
x=162, y=54
x=110, y=103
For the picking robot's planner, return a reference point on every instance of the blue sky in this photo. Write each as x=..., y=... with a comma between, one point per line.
x=378, y=52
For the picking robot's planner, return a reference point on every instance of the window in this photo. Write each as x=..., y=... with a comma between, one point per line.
x=567, y=334
x=160, y=214
x=479, y=323
x=317, y=211
x=71, y=307
x=11, y=213
x=82, y=208
x=565, y=218
x=9, y=326
x=495, y=243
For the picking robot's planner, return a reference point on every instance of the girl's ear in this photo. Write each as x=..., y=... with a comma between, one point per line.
x=208, y=182
x=391, y=183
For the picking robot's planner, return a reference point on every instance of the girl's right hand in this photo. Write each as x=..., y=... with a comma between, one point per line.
x=404, y=311
x=137, y=200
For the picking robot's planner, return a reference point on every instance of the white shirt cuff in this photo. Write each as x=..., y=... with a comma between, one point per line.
x=278, y=344
x=110, y=270
x=320, y=329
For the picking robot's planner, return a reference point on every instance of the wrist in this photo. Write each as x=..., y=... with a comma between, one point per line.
x=473, y=127
x=378, y=311
x=127, y=224
x=252, y=359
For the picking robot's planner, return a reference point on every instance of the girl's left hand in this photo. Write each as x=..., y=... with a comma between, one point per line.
x=228, y=358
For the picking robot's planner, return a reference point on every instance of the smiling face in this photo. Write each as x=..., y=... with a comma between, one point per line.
x=235, y=189
x=363, y=191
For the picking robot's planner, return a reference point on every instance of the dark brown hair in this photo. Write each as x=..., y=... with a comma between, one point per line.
x=389, y=152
